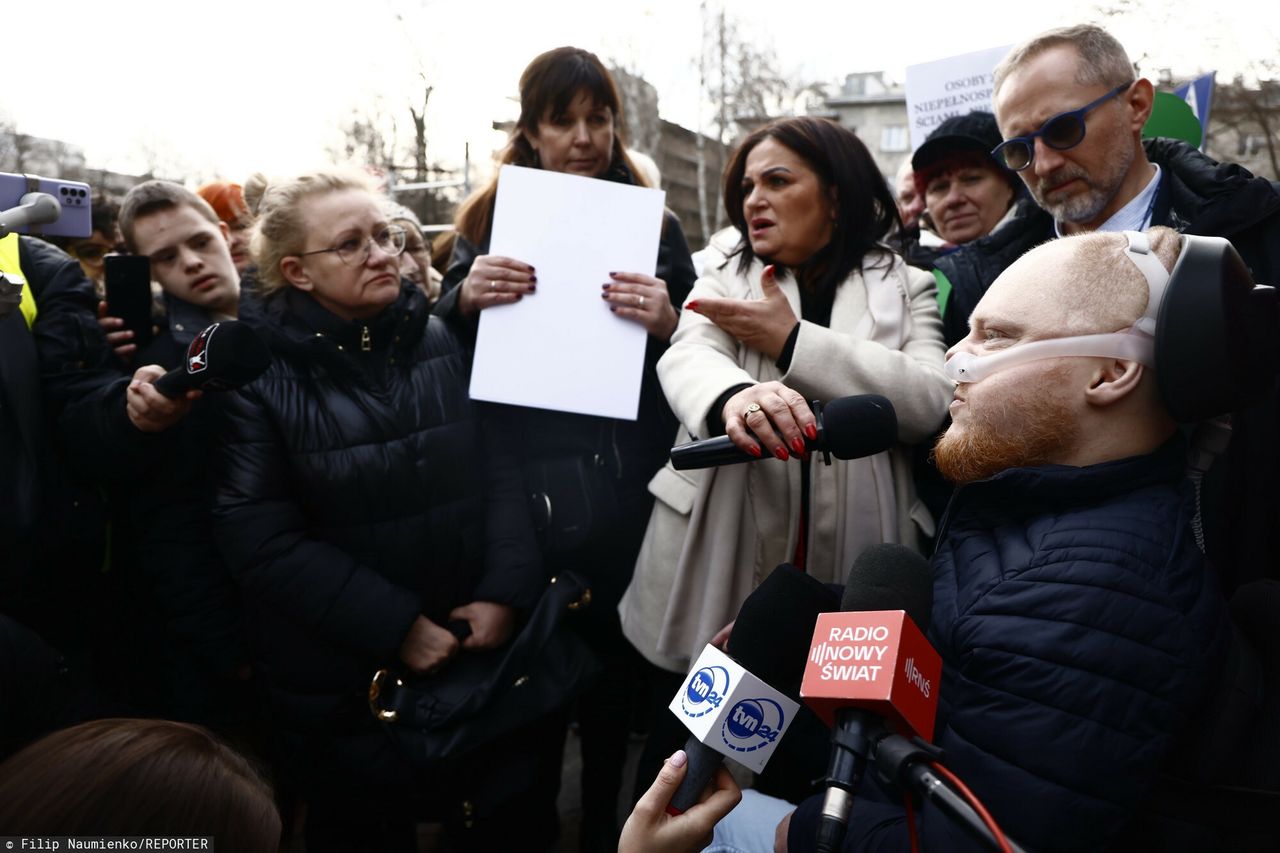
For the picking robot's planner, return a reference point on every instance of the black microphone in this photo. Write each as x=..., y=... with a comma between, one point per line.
x=223, y=357
x=848, y=428
x=770, y=639
x=883, y=577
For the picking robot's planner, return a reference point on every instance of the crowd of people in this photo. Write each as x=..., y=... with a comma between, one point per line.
x=327, y=606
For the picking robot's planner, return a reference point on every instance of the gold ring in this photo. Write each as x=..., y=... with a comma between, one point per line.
x=752, y=408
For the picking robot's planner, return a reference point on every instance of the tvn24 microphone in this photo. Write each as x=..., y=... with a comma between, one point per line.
x=870, y=664
x=848, y=428
x=738, y=705
x=223, y=357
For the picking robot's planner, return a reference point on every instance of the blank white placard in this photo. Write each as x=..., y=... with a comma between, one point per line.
x=562, y=348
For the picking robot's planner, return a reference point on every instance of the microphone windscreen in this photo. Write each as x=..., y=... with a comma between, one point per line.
x=858, y=426
x=891, y=577
x=775, y=624
x=237, y=353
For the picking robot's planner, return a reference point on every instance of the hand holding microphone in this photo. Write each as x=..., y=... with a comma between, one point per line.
x=740, y=704
x=769, y=419
x=222, y=357
x=847, y=428
x=651, y=828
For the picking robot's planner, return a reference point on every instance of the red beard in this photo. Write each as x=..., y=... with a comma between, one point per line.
x=1042, y=431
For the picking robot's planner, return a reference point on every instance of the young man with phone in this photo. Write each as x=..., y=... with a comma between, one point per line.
x=188, y=251
x=188, y=614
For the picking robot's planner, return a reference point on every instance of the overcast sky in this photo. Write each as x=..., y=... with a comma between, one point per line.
x=232, y=86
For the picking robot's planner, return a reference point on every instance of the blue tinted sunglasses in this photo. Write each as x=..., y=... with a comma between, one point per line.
x=1063, y=131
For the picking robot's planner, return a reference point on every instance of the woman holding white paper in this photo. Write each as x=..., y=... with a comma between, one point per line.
x=804, y=301
x=588, y=475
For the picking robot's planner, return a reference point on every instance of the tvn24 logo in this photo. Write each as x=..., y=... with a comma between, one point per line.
x=753, y=724
x=705, y=692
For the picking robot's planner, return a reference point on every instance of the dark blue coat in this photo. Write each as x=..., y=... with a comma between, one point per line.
x=1080, y=632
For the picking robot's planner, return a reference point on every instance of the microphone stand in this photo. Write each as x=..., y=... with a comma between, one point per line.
x=906, y=763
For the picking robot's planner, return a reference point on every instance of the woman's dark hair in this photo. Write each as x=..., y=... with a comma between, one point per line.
x=138, y=777
x=865, y=208
x=547, y=88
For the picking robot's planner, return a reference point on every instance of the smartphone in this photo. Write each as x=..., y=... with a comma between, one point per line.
x=128, y=283
x=74, y=197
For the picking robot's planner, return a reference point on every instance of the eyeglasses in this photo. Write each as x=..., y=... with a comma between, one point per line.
x=354, y=251
x=1063, y=131
x=91, y=252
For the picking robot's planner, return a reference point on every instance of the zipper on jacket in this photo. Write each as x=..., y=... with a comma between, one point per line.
x=366, y=342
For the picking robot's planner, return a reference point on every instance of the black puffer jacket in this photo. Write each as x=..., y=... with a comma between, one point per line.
x=52, y=523
x=353, y=497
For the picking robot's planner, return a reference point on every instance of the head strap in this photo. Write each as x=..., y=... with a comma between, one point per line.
x=1139, y=251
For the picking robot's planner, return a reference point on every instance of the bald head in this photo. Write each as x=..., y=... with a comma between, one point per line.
x=1084, y=284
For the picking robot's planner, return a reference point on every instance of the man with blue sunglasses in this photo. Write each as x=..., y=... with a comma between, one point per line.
x=1071, y=113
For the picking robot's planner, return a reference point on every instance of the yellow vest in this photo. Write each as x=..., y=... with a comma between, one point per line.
x=10, y=264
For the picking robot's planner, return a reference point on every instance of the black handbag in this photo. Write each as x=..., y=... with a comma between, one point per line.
x=481, y=696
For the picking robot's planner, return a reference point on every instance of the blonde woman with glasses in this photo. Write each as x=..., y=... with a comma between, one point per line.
x=362, y=510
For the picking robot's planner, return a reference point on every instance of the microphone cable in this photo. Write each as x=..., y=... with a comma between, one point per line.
x=976, y=804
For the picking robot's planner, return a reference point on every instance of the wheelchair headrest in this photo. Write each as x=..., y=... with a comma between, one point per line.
x=1217, y=333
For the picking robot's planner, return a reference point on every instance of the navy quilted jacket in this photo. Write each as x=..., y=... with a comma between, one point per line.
x=1080, y=632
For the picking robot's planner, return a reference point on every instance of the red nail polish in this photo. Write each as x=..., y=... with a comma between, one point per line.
x=604, y=296
x=782, y=453
x=692, y=306
x=769, y=270
x=797, y=444
x=613, y=308
x=754, y=450
x=812, y=432
x=604, y=287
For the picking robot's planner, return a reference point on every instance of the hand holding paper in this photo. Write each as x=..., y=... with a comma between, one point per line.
x=644, y=299
x=495, y=280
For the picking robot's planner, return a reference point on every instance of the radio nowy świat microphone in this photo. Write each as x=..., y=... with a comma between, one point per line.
x=871, y=664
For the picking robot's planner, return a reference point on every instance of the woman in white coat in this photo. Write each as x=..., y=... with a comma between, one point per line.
x=806, y=303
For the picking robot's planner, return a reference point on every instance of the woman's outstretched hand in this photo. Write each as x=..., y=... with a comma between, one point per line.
x=762, y=324
x=644, y=299
x=495, y=280
x=771, y=415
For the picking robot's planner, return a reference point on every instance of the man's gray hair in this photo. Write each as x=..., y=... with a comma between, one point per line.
x=1103, y=60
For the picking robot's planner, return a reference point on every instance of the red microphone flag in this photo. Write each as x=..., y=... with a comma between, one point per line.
x=876, y=660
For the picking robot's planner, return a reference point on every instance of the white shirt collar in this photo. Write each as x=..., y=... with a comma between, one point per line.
x=1134, y=216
